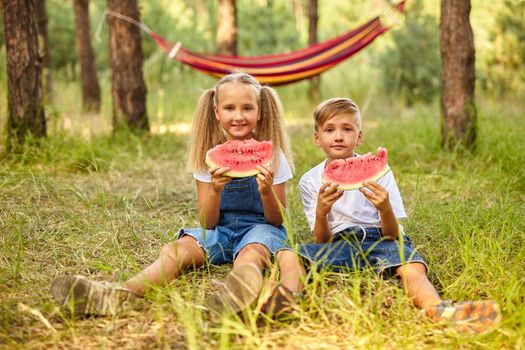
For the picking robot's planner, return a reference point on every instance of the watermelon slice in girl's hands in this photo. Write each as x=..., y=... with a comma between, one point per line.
x=350, y=173
x=241, y=157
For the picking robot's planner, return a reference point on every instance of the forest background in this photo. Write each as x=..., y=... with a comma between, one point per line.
x=404, y=63
x=89, y=202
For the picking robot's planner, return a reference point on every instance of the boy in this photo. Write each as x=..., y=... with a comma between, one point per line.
x=345, y=224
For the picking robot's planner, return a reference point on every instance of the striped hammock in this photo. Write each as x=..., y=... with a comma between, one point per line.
x=281, y=69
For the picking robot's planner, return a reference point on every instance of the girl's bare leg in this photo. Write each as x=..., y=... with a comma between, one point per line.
x=292, y=272
x=253, y=253
x=174, y=258
x=242, y=285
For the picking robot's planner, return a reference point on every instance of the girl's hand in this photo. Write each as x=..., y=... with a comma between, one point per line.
x=218, y=180
x=265, y=179
x=328, y=194
x=376, y=194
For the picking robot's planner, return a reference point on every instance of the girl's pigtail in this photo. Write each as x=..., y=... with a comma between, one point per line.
x=271, y=126
x=206, y=132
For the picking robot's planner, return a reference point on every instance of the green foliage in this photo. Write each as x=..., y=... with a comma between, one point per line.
x=61, y=32
x=505, y=62
x=411, y=65
x=266, y=27
x=408, y=57
x=190, y=22
x=338, y=17
x=175, y=20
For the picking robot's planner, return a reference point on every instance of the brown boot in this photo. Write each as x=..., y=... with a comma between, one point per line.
x=280, y=302
x=81, y=296
x=237, y=291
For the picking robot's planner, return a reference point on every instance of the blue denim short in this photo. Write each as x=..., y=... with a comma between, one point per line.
x=241, y=223
x=362, y=247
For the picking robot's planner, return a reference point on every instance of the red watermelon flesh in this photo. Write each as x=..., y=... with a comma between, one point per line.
x=241, y=157
x=350, y=173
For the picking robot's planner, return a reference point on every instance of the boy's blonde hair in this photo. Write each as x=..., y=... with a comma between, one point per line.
x=207, y=133
x=332, y=107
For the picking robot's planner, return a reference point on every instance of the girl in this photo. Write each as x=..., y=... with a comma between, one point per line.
x=241, y=219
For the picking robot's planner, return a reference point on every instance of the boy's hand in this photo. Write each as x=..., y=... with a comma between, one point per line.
x=328, y=194
x=218, y=180
x=376, y=194
x=265, y=179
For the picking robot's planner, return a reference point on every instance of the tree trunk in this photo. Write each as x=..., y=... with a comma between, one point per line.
x=313, y=17
x=24, y=96
x=227, y=27
x=128, y=87
x=457, y=75
x=43, y=42
x=86, y=58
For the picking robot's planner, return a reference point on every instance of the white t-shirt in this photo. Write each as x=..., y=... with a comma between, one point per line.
x=352, y=209
x=282, y=174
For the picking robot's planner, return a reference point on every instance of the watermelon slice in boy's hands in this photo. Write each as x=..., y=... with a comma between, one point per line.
x=242, y=157
x=350, y=173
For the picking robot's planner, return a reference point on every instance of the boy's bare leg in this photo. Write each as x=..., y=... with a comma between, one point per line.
x=417, y=285
x=173, y=259
x=292, y=272
x=467, y=316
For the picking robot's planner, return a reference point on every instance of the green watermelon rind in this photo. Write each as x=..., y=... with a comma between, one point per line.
x=358, y=185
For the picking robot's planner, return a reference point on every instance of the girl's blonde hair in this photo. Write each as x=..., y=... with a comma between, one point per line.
x=207, y=133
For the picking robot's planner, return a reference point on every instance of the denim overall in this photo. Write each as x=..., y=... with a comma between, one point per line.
x=241, y=223
x=360, y=247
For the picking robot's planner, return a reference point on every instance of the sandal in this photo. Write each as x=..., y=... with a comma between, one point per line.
x=467, y=316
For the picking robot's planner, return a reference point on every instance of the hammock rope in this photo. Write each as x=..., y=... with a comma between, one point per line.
x=281, y=69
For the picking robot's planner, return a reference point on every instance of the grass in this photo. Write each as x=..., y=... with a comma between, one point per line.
x=102, y=206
